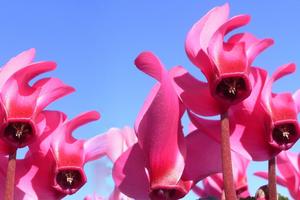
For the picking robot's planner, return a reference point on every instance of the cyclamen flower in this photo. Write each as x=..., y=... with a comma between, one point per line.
x=288, y=164
x=225, y=64
x=22, y=102
x=276, y=113
x=213, y=185
x=53, y=166
x=162, y=164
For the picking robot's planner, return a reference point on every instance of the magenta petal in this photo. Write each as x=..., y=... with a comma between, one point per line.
x=158, y=128
x=279, y=73
x=129, y=173
x=148, y=63
x=195, y=94
x=203, y=151
x=80, y=120
x=95, y=147
x=51, y=89
x=201, y=33
x=253, y=45
x=15, y=64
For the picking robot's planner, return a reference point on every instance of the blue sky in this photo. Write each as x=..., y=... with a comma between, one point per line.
x=95, y=43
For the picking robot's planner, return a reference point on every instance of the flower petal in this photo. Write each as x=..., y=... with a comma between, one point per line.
x=15, y=64
x=129, y=173
x=51, y=90
x=195, y=94
x=161, y=119
x=200, y=34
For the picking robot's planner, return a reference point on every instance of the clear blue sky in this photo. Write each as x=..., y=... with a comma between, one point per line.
x=95, y=42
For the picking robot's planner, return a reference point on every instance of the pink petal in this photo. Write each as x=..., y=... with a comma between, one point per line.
x=253, y=45
x=195, y=94
x=51, y=90
x=206, y=152
x=18, y=96
x=129, y=173
x=201, y=33
x=279, y=73
x=119, y=140
x=15, y=64
x=264, y=175
x=227, y=57
x=160, y=119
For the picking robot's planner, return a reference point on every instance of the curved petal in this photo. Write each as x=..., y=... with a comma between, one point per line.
x=227, y=57
x=206, y=152
x=18, y=96
x=95, y=147
x=161, y=119
x=148, y=63
x=119, y=140
x=264, y=175
x=15, y=64
x=296, y=97
x=253, y=45
x=195, y=94
x=51, y=90
x=129, y=173
x=201, y=33
x=78, y=121
x=267, y=90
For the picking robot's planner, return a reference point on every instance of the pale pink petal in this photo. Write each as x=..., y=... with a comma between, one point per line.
x=281, y=181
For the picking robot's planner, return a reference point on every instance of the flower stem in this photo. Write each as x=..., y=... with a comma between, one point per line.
x=229, y=188
x=10, y=176
x=272, y=179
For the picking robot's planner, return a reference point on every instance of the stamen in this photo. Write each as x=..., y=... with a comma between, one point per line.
x=230, y=88
x=69, y=179
x=18, y=133
x=284, y=134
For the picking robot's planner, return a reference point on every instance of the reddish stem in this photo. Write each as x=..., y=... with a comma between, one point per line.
x=272, y=179
x=10, y=177
x=229, y=188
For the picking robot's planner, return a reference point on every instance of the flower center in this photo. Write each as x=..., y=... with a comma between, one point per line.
x=230, y=88
x=163, y=194
x=69, y=179
x=18, y=133
x=284, y=134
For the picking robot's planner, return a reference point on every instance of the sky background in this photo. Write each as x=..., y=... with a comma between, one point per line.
x=95, y=43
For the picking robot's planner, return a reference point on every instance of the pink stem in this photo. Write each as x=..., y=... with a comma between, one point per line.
x=272, y=179
x=229, y=188
x=10, y=177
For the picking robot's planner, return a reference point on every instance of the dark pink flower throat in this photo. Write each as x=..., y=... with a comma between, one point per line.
x=19, y=133
x=284, y=134
x=69, y=179
x=231, y=88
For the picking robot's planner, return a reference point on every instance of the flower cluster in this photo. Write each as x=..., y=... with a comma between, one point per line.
x=53, y=165
x=158, y=159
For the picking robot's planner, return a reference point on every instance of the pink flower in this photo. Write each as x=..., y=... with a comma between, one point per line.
x=53, y=167
x=21, y=102
x=288, y=164
x=213, y=185
x=225, y=64
x=277, y=129
x=163, y=164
